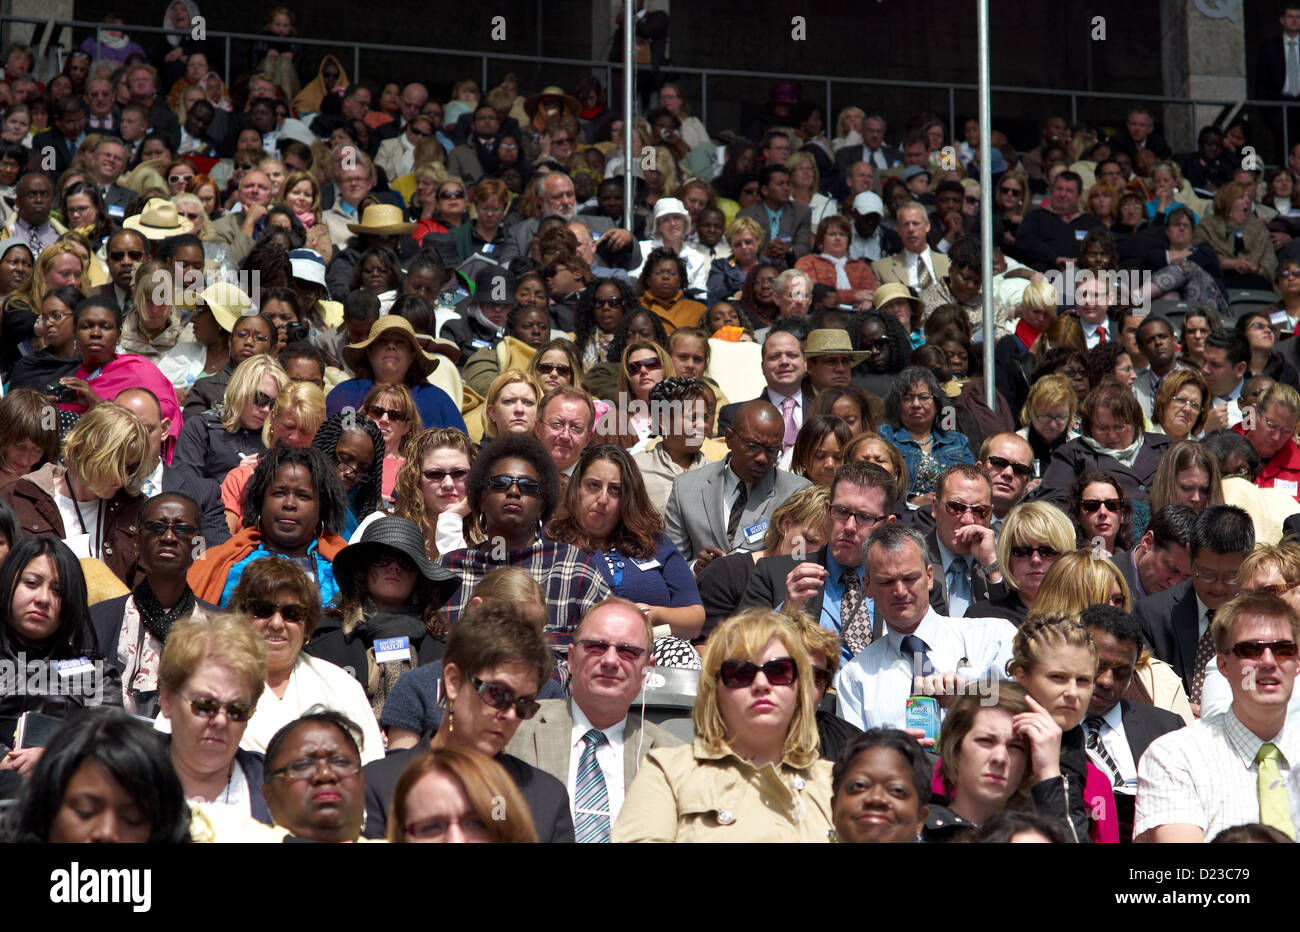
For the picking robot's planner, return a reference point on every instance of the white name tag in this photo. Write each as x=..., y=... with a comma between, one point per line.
x=388, y=650
x=74, y=667
x=1278, y=317
x=79, y=544
x=644, y=565
x=755, y=532
x=1286, y=485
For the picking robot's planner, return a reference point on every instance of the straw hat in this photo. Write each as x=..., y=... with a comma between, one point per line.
x=892, y=291
x=571, y=104
x=158, y=220
x=227, y=303
x=387, y=327
x=833, y=343
x=382, y=220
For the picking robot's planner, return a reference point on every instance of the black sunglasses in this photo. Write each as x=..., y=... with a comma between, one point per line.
x=614, y=302
x=162, y=527
x=647, y=365
x=501, y=698
x=451, y=195
x=1090, y=505
x=377, y=413
x=1252, y=650
x=554, y=368
x=437, y=475
x=294, y=612
x=527, y=486
x=261, y=400
x=1024, y=553
x=208, y=708
x=1020, y=469
x=737, y=674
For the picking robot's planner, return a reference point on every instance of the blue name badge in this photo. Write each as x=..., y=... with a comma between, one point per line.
x=480, y=343
x=74, y=667
x=1080, y=235
x=388, y=650
x=116, y=211
x=755, y=532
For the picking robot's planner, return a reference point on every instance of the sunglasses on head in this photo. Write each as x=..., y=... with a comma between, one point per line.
x=737, y=674
x=527, y=486
x=1253, y=650
x=208, y=708
x=1090, y=505
x=957, y=509
x=1020, y=469
x=554, y=368
x=643, y=365
x=294, y=612
x=1044, y=551
x=501, y=698
x=376, y=413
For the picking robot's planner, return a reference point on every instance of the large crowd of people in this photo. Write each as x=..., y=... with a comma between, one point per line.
x=363, y=477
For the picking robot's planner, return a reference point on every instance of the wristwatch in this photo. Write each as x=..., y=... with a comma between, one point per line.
x=991, y=568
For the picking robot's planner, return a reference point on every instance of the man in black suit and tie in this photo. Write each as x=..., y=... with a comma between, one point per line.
x=60, y=141
x=784, y=368
x=1176, y=622
x=101, y=117
x=828, y=584
x=1138, y=134
x=1118, y=730
x=786, y=224
x=1160, y=559
x=962, y=545
x=1277, y=74
x=873, y=149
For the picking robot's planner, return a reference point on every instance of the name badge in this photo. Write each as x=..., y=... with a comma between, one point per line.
x=480, y=343
x=388, y=650
x=74, y=667
x=1080, y=235
x=644, y=565
x=755, y=532
x=79, y=544
x=1278, y=317
x=116, y=211
x=1286, y=485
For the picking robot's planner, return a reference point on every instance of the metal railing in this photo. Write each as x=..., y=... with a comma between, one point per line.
x=827, y=82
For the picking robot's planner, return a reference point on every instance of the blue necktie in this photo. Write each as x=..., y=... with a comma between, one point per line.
x=958, y=588
x=913, y=645
x=591, y=800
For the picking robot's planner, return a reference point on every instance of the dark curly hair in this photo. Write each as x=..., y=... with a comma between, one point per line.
x=366, y=496
x=297, y=232
x=333, y=501
x=1074, y=508
x=386, y=256
x=900, y=342
x=520, y=446
x=1102, y=360
x=657, y=255
x=584, y=317
x=1056, y=359
x=620, y=341
x=271, y=261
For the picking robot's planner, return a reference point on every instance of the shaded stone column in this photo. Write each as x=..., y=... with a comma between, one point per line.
x=1203, y=55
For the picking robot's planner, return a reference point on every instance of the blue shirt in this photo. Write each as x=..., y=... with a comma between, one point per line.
x=773, y=221
x=322, y=574
x=665, y=580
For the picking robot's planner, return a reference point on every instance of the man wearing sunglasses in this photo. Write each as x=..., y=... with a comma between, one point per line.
x=1232, y=768
x=1009, y=461
x=1160, y=558
x=1176, y=622
x=921, y=651
x=591, y=742
x=963, y=544
x=827, y=584
x=126, y=249
x=725, y=506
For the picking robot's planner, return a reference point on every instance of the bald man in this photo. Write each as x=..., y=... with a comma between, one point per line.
x=167, y=478
x=725, y=506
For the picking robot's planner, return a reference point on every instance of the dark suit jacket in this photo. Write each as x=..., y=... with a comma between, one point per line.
x=1124, y=563
x=1155, y=142
x=981, y=590
x=1144, y=723
x=1291, y=526
x=767, y=586
x=1270, y=69
x=796, y=219
x=722, y=584
x=207, y=495
x=62, y=148
x=118, y=196
x=728, y=412
x=850, y=154
x=546, y=796
x=1169, y=621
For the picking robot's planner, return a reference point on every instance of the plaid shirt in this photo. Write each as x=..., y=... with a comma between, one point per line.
x=569, y=579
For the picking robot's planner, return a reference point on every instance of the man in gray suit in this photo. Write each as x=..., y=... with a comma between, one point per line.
x=725, y=506
x=793, y=221
x=592, y=743
x=558, y=198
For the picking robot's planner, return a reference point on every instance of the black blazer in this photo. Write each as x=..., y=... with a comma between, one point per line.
x=1007, y=605
x=728, y=412
x=546, y=796
x=767, y=583
x=58, y=144
x=850, y=154
x=1270, y=69
x=206, y=495
x=1169, y=621
x=1073, y=458
x=1155, y=142
x=723, y=584
x=1144, y=723
x=1124, y=563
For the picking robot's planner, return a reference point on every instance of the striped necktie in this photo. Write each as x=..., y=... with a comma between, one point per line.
x=590, y=798
x=1093, y=725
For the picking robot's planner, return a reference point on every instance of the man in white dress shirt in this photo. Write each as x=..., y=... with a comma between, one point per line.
x=922, y=651
x=608, y=663
x=1233, y=768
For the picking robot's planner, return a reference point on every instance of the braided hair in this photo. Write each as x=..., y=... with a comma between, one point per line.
x=366, y=496
x=900, y=341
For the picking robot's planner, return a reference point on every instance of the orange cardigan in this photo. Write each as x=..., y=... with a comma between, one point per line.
x=823, y=273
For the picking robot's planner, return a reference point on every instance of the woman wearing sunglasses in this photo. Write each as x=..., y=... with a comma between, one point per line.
x=387, y=620
x=212, y=673
x=1033, y=536
x=752, y=774
x=356, y=448
x=1101, y=512
x=284, y=608
x=644, y=365
x=216, y=441
x=391, y=407
x=597, y=316
x=556, y=363
x=250, y=335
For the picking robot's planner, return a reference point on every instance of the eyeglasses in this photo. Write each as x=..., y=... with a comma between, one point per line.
x=1020, y=469
x=917, y=399
x=376, y=413
x=175, y=179
x=451, y=195
x=57, y=317
x=554, y=368
x=972, y=200
x=737, y=674
x=349, y=467
x=418, y=132
x=293, y=612
x=470, y=825
x=1289, y=273
x=208, y=708
x=527, y=485
x=599, y=648
x=1211, y=578
x=957, y=509
x=1024, y=553
x=1185, y=403
x=1006, y=190
x=1051, y=418
x=1253, y=650
x=753, y=447
x=338, y=765
x=644, y=365
x=872, y=346
x=383, y=561
x=842, y=515
x=244, y=166
x=1275, y=427
x=117, y=255
x=502, y=698
x=261, y=400
x=437, y=475
x=613, y=303
x=162, y=527
x=558, y=427
x=1091, y=505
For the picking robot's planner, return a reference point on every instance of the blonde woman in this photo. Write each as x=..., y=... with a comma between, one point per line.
x=217, y=440
x=1033, y=536
x=752, y=774
x=298, y=412
x=301, y=194
x=805, y=185
x=511, y=406
x=848, y=128
x=153, y=326
x=1078, y=579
